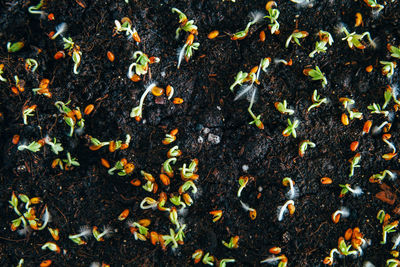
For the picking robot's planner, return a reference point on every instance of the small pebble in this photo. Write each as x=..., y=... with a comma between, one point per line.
x=213, y=139
x=245, y=168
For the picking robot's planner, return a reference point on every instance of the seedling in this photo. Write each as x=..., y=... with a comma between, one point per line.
x=344, y=249
x=233, y=242
x=291, y=129
x=293, y=191
x=342, y=212
x=378, y=177
x=385, y=139
x=355, y=40
x=295, y=36
x=140, y=226
x=304, y=145
x=374, y=4
x=357, y=191
x=189, y=173
x=14, y=47
x=284, y=62
x=243, y=180
x=174, y=152
x=273, y=14
x=392, y=262
x=84, y=232
x=240, y=78
x=252, y=212
x=376, y=109
x=282, y=259
x=166, y=167
x=388, y=228
x=100, y=235
x=354, y=163
x=31, y=64
x=176, y=200
x=197, y=255
x=43, y=88
x=186, y=186
x=36, y=9
x=69, y=162
x=28, y=112
x=288, y=206
x=389, y=95
x=223, y=262
x=329, y=259
x=187, y=50
x=60, y=29
x=185, y=24
x=55, y=147
x=76, y=57
x=325, y=38
x=33, y=147
x=255, y=18
x=388, y=68
x=126, y=27
x=217, y=215
x=51, y=246
x=395, y=51
x=282, y=108
x=141, y=64
x=1, y=73
x=317, y=101
x=55, y=233
x=316, y=75
x=148, y=203
x=208, y=259
x=137, y=111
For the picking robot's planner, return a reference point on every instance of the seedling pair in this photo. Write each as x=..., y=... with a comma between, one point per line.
x=71, y=117
x=126, y=26
x=43, y=88
x=112, y=145
x=353, y=113
x=295, y=36
x=386, y=226
x=141, y=65
x=317, y=101
x=255, y=18
x=123, y=166
x=355, y=40
x=67, y=163
x=378, y=177
x=291, y=128
x=282, y=107
x=273, y=14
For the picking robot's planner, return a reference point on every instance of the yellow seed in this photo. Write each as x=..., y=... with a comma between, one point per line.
x=213, y=34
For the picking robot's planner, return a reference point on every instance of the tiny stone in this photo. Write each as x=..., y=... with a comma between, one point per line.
x=245, y=168
x=260, y=189
x=214, y=139
x=200, y=140
x=218, y=107
x=206, y=130
x=163, y=74
x=160, y=100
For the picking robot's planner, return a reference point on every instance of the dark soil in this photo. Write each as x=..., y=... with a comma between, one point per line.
x=87, y=195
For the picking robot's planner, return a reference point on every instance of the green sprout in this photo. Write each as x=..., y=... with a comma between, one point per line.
x=317, y=101
x=291, y=129
x=357, y=191
x=374, y=4
x=76, y=57
x=392, y=263
x=208, y=259
x=354, y=163
x=60, y=29
x=14, y=47
x=99, y=236
x=388, y=68
x=186, y=186
x=187, y=52
x=295, y=36
x=148, y=186
x=77, y=238
x=233, y=242
x=148, y=203
x=223, y=262
x=127, y=28
x=273, y=14
x=141, y=64
x=117, y=167
x=325, y=38
x=255, y=18
x=55, y=147
x=176, y=200
x=388, y=228
x=69, y=162
x=31, y=64
x=376, y=109
x=243, y=180
x=389, y=95
x=378, y=177
x=239, y=79
x=171, y=238
x=36, y=9
x=344, y=249
x=33, y=147
x=355, y=40
x=185, y=24
x=137, y=111
x=304, y=145
x=282, y=108
x=69, y=116
x=68, y=43
x=381, y=216
x=395, y=51
x=316, y=74
x=28, y=112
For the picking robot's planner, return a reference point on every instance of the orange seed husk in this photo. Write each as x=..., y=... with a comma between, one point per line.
x=59, y=54
x=253, y=214
x=326, y=180
x=111, y=146
x=336, y=218
x=128, y=168
x=136, y=182
x=369, y=68
x=348, y=234
x=345, y=119
x=135, y=78
x=213, y=34
x=367, y=126
x=45, y=263
x=144, y=222
x=190, y=39
x=165, y=179
x=291, y=209
x=177, y=101
x=262, y=36
x=275, y=250
x=354, y=145
x=110, y=56
x=123, y=215
x=154, y=238
x=359, y=20
x=15, y=139
x=157, y=91
x=389, y=156
x=89, y=108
